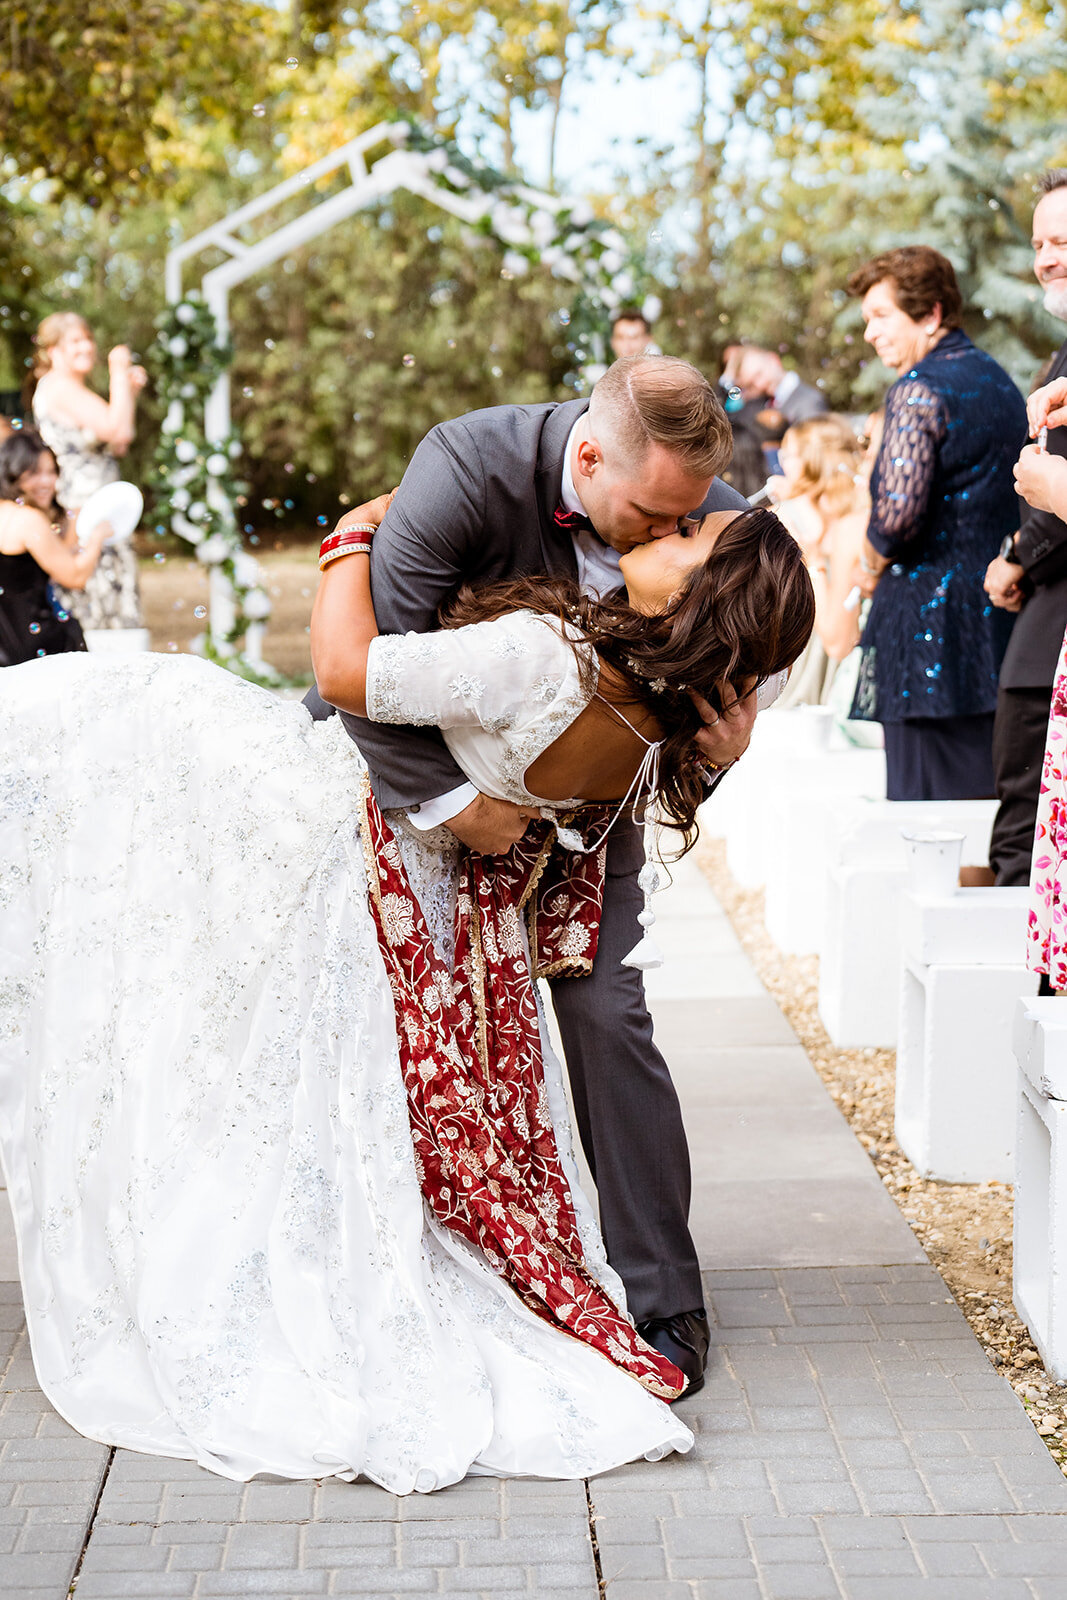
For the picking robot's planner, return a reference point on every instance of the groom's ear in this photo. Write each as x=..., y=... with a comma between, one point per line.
x=589, y=457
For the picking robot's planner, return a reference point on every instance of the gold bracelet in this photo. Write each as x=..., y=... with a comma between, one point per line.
x=346, y=550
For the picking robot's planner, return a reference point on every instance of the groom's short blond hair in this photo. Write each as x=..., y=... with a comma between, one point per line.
x=645, y=400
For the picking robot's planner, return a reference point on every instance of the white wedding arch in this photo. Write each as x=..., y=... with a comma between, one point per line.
x=192, y=351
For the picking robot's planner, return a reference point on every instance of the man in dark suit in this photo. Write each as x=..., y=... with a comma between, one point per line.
x=764, y=375
x=565, y=488
x=1029, y=576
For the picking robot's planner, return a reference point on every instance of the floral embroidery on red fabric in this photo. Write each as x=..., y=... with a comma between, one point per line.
x=470, y=1052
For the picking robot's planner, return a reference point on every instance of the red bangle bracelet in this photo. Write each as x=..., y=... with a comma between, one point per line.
x=358, y=533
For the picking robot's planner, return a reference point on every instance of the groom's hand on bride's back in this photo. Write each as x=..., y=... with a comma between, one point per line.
x=490, y=827
x=726, y=733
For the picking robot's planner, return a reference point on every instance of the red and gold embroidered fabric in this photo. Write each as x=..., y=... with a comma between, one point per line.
x=470, y=1052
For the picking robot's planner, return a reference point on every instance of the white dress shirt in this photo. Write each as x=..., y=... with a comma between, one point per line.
x=598, y=574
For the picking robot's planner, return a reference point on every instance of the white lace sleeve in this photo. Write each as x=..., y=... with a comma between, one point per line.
x=490, y=674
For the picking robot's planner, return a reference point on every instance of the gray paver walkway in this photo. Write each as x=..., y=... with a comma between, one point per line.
x=852, y=1440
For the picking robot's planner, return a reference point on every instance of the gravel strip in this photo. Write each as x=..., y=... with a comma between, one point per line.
x=965, y=1229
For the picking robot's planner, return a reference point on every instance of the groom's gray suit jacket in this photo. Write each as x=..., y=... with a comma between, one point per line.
x=476, y=504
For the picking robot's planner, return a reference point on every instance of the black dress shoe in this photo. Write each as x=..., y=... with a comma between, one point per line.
x=683, y=1339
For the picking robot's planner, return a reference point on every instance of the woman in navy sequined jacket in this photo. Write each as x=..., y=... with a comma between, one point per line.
x=942, y=501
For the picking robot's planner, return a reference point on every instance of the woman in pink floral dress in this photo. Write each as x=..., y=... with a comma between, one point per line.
x=1041, y=479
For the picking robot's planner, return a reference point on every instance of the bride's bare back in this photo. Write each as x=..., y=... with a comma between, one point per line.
x=597, y=756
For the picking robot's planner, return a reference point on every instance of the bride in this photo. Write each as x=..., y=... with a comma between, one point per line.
x=287, y=1152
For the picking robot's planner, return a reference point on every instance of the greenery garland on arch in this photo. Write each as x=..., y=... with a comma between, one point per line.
x=539, y=230
x=195, y=482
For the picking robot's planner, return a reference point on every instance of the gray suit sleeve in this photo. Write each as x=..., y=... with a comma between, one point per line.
x=419, y=556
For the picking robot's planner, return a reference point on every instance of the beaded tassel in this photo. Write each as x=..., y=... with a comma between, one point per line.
x=646, y=954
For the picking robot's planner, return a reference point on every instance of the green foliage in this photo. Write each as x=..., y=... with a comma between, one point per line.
x=89, y=91
x=817, y=133
x=846, y=129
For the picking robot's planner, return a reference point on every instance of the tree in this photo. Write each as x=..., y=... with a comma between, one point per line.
x=88, y=91
x=841, y=130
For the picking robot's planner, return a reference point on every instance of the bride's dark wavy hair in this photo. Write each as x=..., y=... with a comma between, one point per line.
x=747, y=612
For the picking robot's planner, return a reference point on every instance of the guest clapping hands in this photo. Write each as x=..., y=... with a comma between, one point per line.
x=87, y=435
x=1041, y=478
x=36, y=545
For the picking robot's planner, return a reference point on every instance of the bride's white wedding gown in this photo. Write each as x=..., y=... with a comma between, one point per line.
x=224, y=1249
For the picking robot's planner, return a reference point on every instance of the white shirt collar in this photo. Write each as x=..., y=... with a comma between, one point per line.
x=568, y=493
x=790, y=381
x=598, y=563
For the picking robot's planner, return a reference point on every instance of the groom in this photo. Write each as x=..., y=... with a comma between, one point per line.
x=566, y=488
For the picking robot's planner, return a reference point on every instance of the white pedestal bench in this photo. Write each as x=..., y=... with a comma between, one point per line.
x=117, y=641
x=792, y=752
x=799, y=842
x=964, y=970
x=1040, y=1223
x=859, y=967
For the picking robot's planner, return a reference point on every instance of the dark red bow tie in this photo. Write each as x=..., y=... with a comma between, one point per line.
x=571, y=522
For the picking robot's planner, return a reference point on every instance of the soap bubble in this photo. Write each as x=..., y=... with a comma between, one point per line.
x=259, y=110
x=322, y=521
x=655, y=235
x=292, y=63
x=200, y=612
x=407, y=361
x=35, y=627
x=159, y=558
x=248, y=391
x=172, y=645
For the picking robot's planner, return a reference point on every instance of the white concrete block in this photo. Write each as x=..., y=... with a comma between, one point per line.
x=769, y=781
x=860, y=960
x=865, y=830
x=117, y=641
x=956, y=1075
x=1039, y=1039
x=1039, y=1270
x=800, y=842
x=971, y=928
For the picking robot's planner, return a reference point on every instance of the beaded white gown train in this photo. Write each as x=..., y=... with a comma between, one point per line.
x=224, y=1250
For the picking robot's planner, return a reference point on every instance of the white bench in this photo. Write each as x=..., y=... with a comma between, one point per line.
x=956, y=1084
x=800, y=842
x=859, y=967
x=117, y=641
x=1040, y=1224
x=791, y=752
